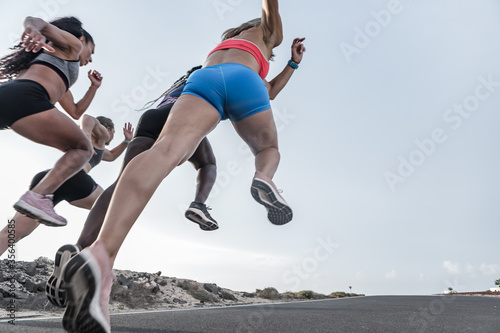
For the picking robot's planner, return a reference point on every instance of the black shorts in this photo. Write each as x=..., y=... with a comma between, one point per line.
x=152, y=121
x=22, y=98
x=77, y=187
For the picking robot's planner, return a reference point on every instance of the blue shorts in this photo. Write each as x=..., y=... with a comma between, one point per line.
x=236, y=91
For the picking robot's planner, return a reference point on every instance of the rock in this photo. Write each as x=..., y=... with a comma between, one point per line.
x=20, y=294
x=45, y=260
x=211, y=287
x=124, y=281
x=203, y=295
x=227, y=295
x=40, y=286
x=31, y=269
x=20, y=278
x=5, y=291
x=31, y=286
x=162, y=282
x=178, y=301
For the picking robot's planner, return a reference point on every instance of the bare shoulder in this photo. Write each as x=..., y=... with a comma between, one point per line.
x=256, y=36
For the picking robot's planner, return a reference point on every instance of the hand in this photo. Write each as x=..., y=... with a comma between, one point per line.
x=128, y=131
x=33, y=41
x=95, y=78
x=298, y=50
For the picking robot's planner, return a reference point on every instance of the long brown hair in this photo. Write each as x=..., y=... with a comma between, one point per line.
x=230, y=33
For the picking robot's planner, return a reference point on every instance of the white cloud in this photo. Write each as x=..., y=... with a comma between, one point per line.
x=360, y=275
x=452, y=268
x=391, y=275
x=489, y=269
x=470, y=268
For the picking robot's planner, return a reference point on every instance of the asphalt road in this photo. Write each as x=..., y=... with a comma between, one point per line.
x=387, y=314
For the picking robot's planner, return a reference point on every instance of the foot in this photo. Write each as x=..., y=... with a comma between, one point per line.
x=40, y=207
x=54, y=289
x=265, y=192
x=198, y=213
x=88, y=278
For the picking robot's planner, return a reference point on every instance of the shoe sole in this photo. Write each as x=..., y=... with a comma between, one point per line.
x=278, y=213
x=83, y=283
x=37, y=214
x=195, y=215
x=54, y=288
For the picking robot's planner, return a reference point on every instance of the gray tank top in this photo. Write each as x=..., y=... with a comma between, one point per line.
x=67, y=69
x=97, y=158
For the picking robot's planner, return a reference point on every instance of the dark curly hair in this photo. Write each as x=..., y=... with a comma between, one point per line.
x=12, y=64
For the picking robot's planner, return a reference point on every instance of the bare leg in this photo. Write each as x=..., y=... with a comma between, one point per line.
x=53, y=128
x=203, y=160
x=96, y=215
x=190, y=120
x=259, y=132
x=23, y=227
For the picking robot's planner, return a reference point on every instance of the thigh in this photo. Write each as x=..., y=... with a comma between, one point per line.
x=258, y=131
x=88, y=202
x=190, y=120
x=52, y=128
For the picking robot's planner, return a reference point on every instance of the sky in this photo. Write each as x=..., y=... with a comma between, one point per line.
x=388, y=139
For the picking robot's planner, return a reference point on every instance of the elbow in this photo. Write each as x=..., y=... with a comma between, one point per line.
x=74, y=114
x=278, y=39
x=110, y=157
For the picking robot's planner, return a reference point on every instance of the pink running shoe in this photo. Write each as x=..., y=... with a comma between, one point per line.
x=88, y=278
x=265, y=192
x=40, y=207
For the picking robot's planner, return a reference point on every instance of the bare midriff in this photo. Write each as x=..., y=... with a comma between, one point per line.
x=48, y=78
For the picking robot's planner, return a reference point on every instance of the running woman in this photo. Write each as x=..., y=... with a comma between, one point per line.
x=39, y=74
x=80, y=190
x=148, y=130
x=229, y=86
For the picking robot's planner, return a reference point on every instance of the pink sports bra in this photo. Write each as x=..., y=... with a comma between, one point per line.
x=249, y=47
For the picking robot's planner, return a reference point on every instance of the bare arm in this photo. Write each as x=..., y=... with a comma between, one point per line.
x=37, y=31
x=111, y=155
x=76, y=110
x=271, y=23
x=279, y=82
x=88, y=124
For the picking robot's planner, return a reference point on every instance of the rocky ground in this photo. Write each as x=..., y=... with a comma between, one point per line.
x=475, y=293
x=22, y=286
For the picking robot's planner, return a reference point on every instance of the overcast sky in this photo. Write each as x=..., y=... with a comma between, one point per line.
x=388, y=134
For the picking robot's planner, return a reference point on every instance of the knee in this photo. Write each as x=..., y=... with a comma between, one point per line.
x=273, y=147
x=206, y=162
x=84, y=145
